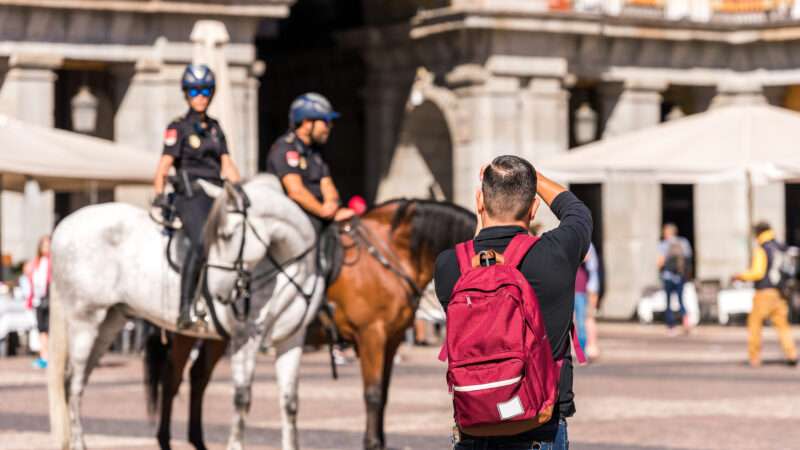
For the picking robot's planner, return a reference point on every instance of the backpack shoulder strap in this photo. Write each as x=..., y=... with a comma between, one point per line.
x=465, y=251
x=518, y=248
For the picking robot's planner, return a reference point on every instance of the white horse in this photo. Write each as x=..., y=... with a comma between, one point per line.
x=109, y=262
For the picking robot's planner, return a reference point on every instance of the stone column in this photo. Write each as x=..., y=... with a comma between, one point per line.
x=545, y=119
x=28, y=94
x=630, y=241
x=246, y=98
x=142, y=115
x=630, y=106
x=722, y=219
x=738, y=92
x=150, y=98
x=490, y=108
x=721, y=230
x=544, y=128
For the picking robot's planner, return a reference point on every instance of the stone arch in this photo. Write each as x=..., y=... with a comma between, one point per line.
x=422, y=161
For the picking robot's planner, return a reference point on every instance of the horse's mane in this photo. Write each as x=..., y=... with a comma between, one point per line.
x=217, y=216
x=435, y=226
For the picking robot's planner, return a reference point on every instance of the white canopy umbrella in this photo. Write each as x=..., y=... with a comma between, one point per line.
x=757, y=142
x=64, y=160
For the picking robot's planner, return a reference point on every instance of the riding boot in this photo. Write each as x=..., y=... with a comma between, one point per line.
x=190, y=274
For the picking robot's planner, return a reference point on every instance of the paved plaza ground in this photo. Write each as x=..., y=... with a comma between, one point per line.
x=647, y=391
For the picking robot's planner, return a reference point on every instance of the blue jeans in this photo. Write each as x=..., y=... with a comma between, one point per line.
x=580, y=318
x=675, y=287
x=560, y=442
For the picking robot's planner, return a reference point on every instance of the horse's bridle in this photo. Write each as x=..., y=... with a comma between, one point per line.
x=244, y=276
x=358, y=232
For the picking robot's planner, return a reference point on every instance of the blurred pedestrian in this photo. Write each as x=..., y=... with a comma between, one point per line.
x=768, y=302
x=581, y=301
x=592, y=265
x=674, y=262
x=37, y=275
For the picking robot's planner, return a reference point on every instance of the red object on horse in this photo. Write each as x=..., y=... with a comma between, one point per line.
x=501, y=369
x=357, y=204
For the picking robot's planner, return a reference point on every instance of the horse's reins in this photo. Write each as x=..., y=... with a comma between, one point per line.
x=244, y=277
x=372, y=244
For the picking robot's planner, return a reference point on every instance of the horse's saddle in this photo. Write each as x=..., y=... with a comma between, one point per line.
x=330, y=253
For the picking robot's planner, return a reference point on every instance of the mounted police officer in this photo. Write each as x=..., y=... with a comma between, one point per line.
x=195, y=145
x=297, y=161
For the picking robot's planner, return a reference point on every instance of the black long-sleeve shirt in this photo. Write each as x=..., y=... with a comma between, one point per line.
x=550, y=268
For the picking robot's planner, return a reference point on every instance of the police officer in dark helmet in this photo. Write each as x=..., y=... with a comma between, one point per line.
x=296, y=159
x=195, y=145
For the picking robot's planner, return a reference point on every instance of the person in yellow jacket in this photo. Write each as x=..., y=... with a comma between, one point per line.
x=768, y=301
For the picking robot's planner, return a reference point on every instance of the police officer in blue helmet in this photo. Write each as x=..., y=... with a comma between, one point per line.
x=195, y=145
x=295, y=158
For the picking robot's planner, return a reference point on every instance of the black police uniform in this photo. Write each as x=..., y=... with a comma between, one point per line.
x=197, y=143
x=290, y=155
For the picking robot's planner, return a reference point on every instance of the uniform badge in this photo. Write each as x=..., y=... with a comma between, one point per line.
x=292, y=158
x=170, y=137
x=303, y=164
x=194, y=141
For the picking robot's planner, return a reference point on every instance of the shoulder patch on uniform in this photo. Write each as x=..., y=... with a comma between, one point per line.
x=170, y=136
x=292, y=158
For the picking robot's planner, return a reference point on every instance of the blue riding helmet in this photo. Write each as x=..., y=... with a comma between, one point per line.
x=198, y=76
x=311, y=106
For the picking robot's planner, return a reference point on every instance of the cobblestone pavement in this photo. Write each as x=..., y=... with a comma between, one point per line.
x=647, y=391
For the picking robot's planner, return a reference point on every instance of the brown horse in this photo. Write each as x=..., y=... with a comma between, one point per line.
x=388, y=260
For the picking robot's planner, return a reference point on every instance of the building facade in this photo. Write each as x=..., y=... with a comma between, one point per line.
x=463, y=81
x=429, y=90
x=124, y=59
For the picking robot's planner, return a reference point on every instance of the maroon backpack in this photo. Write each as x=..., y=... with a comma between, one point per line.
x=500, y=370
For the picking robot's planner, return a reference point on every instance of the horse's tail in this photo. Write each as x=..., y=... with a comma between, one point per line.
x=156, y=353
x=57, y=370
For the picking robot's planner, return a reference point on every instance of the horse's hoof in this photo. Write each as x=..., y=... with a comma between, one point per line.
x=163, y=444
x=235, y=446
x=373, y=445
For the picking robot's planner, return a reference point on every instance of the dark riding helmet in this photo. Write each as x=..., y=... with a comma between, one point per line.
x=310, y=106
x=198, y=76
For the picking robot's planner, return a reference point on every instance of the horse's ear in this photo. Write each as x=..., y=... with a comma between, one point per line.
x=211, y=190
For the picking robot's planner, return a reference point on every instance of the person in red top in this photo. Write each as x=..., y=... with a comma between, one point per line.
x=37, y=273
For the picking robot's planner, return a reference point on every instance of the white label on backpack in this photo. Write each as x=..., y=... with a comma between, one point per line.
x=511, y=408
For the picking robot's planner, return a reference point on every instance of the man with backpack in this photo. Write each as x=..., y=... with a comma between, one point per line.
x=509, y=301
x=767, y=275
x=674, y=262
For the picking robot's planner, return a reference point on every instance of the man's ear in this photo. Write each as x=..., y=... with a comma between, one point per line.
x=479, y=205
x=535, y=207
x=483, y=169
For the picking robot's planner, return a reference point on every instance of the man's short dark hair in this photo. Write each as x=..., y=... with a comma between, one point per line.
x=509, y=187
x=761, y=227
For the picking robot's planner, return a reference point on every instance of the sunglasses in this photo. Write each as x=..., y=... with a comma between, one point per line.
x=194, y=92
